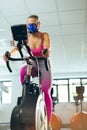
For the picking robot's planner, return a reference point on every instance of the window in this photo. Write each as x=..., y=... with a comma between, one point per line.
x=63, y=90
x=66, y=88
x=5, y=92
x=55, y=89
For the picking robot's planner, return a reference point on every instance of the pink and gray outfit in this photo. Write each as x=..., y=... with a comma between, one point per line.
x=45, y=78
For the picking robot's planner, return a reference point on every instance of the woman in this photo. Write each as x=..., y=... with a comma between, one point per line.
x=38, y=41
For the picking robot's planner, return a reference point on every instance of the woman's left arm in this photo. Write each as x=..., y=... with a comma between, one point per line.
x=46, y=42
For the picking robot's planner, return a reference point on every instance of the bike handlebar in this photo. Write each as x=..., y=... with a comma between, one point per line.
x=7, y=54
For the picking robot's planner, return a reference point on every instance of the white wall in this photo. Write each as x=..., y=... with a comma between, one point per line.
x=70, y=75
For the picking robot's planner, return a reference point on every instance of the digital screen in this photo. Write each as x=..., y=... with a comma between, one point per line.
x=19, y=32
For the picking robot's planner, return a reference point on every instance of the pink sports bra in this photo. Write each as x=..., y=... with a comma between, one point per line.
x=38, y=52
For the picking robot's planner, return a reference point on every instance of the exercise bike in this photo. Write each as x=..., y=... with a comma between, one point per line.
x=30, y=112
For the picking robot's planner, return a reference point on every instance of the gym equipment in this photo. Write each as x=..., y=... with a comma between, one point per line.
x=32, y=28
x=55, y=122
x=30, y=111
x=79, y=119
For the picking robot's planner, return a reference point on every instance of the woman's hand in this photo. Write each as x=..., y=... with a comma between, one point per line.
x=45, y=53
x=5, y=58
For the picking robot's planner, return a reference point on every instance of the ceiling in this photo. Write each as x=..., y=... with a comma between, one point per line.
x=64, y=20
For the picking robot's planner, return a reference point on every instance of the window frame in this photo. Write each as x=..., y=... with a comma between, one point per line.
x=68, y=86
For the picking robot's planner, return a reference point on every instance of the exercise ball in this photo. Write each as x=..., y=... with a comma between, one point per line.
x=79, y=121
x=55, y=122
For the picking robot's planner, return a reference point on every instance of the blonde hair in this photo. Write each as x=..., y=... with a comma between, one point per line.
x=34, y=16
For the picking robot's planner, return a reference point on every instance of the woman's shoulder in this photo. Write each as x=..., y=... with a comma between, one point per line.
x=44, y=34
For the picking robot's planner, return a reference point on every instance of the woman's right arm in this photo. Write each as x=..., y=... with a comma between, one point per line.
x=12, y=52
